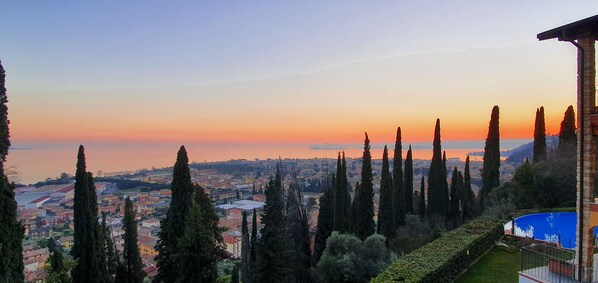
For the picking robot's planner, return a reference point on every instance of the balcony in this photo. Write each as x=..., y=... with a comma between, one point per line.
x=546, y=263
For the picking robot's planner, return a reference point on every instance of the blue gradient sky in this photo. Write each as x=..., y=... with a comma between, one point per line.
x=288, y=71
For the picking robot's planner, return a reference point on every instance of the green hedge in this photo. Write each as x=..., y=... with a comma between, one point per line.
x=447, y=257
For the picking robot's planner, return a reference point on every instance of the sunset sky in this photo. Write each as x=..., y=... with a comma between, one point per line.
x=282, y=71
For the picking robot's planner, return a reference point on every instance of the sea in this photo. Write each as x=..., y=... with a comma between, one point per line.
x=28, y=163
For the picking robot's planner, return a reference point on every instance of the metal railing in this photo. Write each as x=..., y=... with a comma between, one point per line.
x=552, y=264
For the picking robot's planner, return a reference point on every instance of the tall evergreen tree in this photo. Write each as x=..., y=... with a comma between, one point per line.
x=422, y=200
x=57, y=269
x=194, y=247
x=197, y=256
x=253, y=248
x=491, y=165
x=355, y=207
x=4, y=122
x=11, y=233
x=235, y=275
x=131, y=255
x=408, y=182
x=325, y=219
x=468, y=198
x=455, y=211
x=173, y=226
x=245, y=250
x=298, y=233
x=446, y=185
x=100, y=248
x=112, y=260
x=365, y=225
x=342, y=199
x=272, y=252
x=437, y=198
x=399, y=198
x=88, y=245
x=386, y=221
x=416, y=201
x=567, y=136
x=210, y=221
x=540, y=136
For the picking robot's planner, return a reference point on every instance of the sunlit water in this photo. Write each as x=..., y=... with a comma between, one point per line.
x=36, y=162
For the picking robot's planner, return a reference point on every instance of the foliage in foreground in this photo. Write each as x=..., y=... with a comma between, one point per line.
x=413, y=235
x=445, y=258
x=347, y=259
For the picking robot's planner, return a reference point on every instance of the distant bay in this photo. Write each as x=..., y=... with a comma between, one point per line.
x=32, y=162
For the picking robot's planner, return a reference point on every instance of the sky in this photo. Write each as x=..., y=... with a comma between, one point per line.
x=282, y=72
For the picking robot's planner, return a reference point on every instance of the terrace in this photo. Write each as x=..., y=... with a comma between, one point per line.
x=547, y=263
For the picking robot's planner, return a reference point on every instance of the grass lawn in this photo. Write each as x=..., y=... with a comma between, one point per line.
x=499, y=265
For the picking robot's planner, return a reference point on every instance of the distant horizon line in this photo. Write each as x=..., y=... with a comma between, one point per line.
x=446, y=144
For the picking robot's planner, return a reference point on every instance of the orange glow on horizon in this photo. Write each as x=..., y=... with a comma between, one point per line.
x=410, y=133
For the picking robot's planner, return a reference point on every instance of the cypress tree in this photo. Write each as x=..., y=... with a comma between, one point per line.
x=245, y=249
x=437, y=197
x=235, y=275
x=253, y=248
x=88, y=245
x=446, y=186
x=100, y=243
x=455, y=212
x=131, y=255
x=272, y=252
x=365, y=225
x=341, y=196
x=539, y=136
x=347, y=196
x=4, y=122
x=194, y=247
x=11, y=233
x=57, y=269
x=468, y=198
x=399, y=199
x=408, y=182
x=109, y=248
x=460, y=189
x=325, y=219
x=386, y=222
x=173, y=226
x=196, y=258
x=422, y=200
x=52, y=246
x=210, y=221
x=491, y=165
x=298, y=233
x=416, y=202
x=355, y=207
x=567, y=136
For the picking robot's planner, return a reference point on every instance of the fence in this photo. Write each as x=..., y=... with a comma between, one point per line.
x=552, y=264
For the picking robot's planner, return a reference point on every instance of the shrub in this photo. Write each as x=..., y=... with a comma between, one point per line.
x=444, y=259
x=413, y=235
x=347, y=259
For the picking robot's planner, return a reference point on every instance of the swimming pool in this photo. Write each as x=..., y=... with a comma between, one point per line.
x=555, y=227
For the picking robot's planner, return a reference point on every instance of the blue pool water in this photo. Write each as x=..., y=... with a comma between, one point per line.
x=556, y=227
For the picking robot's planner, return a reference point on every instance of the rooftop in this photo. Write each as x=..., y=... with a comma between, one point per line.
x=573, y=30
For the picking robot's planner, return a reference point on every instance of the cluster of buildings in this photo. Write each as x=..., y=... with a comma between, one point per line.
x=47, y=211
